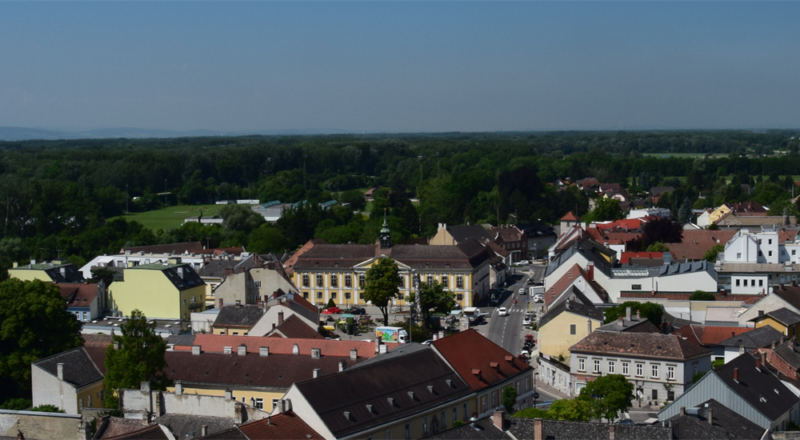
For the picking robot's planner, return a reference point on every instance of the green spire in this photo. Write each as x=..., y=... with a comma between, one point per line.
x=385, y=229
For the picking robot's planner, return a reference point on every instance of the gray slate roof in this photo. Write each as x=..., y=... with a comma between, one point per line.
x=561, y=429
x=727, y=424
x=782, y=315
x=580, y=306
x=758, y=338
x=754, y=384
x=185, y=426
x=79, y=369
x=482, y=429
x=463, y=232
x=243, y=316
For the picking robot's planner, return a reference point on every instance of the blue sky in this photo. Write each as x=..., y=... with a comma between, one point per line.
x=399, y=66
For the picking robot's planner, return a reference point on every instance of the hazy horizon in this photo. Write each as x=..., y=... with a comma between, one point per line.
x=399, y=67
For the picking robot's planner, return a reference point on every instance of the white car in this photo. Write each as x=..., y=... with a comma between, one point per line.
x=522, y=291
x=527, y=320
x=523, y=262
x=538, y=298
x=502, y=311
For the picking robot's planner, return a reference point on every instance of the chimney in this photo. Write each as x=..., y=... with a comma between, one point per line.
x=736, y=375
x=611, y=432
x=495, y=366
x=241, y=350
x=760, y=313
x=63, y=271
x=203, y=430
x=537, y=429
x=228, y=394
x=180, y=272
x=378, y=343
x=60, y=370
x=773, y=345
x=228, y=271
x=353, y=354
x=589, y=326
x=628, y=314
x=710, y=416
x=620, y=322
x=144, y=387
x=296, y=349
x=315, y=353
x=316, y=373
x=195, y=350
x=178, y=388
x=263, y=351
x=15, y=264
x=220, y=303
x=280, y=317
x=638, y=316
x=498, y=419
x=683, y=410
x=342, y=366
x=240, y=414
x=758, y=364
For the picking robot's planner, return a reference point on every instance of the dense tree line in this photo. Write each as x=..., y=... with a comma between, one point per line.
x=56, y=197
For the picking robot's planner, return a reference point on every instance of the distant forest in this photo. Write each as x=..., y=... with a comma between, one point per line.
x=57, y=196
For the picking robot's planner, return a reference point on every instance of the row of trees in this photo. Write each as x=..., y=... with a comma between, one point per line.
x=603, y=398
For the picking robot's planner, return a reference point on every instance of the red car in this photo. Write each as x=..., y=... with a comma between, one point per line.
x=332, y=311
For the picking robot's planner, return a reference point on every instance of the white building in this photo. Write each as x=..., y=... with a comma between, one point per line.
x=646, y=212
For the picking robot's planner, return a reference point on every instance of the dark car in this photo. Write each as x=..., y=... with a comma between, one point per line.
x=357, y=311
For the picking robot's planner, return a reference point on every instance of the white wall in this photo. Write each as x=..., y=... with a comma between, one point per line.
x=749, y=284
x=48, y=390
x=264, y=325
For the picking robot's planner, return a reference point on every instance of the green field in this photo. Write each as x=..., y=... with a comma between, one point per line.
x=171, y=217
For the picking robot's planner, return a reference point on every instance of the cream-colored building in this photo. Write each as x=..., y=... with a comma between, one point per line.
x=71, y=380
x=56, y=271
x=565, y=324
x=169, y=291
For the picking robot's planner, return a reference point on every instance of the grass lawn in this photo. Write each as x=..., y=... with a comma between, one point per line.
x=171, y=217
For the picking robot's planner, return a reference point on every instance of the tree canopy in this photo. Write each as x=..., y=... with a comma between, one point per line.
x=34, y=323
x=653, y=312
x=382, y=281
x=608, y=395
x=434, y=299
x=699, y=295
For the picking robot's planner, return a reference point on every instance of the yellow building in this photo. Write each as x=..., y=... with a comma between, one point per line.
x=57, y=271
x=338, y=271
x=783, y=320
x=70, y=380
x=565, y=324
x=170, y=291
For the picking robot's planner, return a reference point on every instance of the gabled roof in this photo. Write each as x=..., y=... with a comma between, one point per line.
x=283, y=426
x=759, y=387
x=727, y=424
x=649, y=345
x=782, y=315
x=294, y=327
x=537, y=229
x=581, y=307
x=789, y=293
x=299, y=305
x=360, y=399
x=328, y=347
x=506, y=233
x=245, y=316
x=757, y=338
x=570, y=217
x=78, y=295
x=696, y=243
x=79, y=369
x=289, y=264
x=480, y=357
x=463, y=232
x=709, y=335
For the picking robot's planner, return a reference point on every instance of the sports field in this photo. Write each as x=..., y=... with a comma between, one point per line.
x=173, y=216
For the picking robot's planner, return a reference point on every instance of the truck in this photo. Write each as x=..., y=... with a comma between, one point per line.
x=474, y=315
x=392, y=335
x=538, y=289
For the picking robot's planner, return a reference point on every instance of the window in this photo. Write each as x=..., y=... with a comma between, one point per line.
x=455, y=414
x=581, y=364
x=794, y=251
x=259, y=403
x=275, y=403
x=671, y=396
x=738, y=282
x=102, y=396
x=425, y=425
x=334, y=280
x=494, y=399
x=465, y=412
x=90, y=400
x=670, y=372
x=402, y=283
x=654, y=395
x=738, y=255
x=760, y=283
x=319, y=295
x=769, y=253
x=333, y=295
x=459, y=297
x=388, y=435
x=348, y=280
x=597, y=365
x=258, y=284
x=408, y=430
x=444, y=282
x=305, y=280
x=459, y=281
x=640, y=370
x=527, y=384
x=625, y=369
x=745, y=283
x=444, y=419
x=654, y=370
x=319, y=280
x=636, y=287
x=361, y=296
x=361, y=281
x=347, y=295
x=429, y=279
x=612, y=367
x=305, y=295
x=572, y=329
x=769, y=241
x=484, y=404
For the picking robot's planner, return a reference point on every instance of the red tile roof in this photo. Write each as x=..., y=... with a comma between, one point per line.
x=78, y=295
x=709, y=334
x=626, y=256
x=468, y=351
x=294, y=327
x=695, y=244
x=289, y=264
x=279, y=427
x=329, y=347
x=570, y=217
x=562, y=284
x=749, y=299
x=630, y=224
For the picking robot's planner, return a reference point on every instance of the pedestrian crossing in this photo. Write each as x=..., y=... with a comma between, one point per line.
x=518, y=310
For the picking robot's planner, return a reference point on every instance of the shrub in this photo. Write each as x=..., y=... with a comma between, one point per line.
x=16, y=404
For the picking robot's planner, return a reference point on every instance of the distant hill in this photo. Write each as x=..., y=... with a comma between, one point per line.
x=26, y=133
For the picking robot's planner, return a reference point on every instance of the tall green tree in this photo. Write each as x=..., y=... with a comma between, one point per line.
x=434, y=299
x=712, y=254
x=685, y=213
x=509, y=398
x=604, y=210
x=139, y=358
x=34, y=323
x=575, y=410
x=383, y=279
x=608, y=395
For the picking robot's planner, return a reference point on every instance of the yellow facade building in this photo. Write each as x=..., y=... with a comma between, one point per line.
x=56, y=271
x=565, y=324
x=784, y=320
x=170, y=291
x=71, y=380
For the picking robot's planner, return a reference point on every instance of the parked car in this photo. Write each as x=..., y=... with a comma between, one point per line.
x=332, y=311
x=502, y=311
x=523, y=262
x=527, y=320
x=538, y=298
x=525, y=353
x=522, y=291
x=356, y=311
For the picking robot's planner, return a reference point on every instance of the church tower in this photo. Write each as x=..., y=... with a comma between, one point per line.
x=386, y=234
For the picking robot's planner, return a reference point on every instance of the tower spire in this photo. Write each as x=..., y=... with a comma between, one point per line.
x=386, y=234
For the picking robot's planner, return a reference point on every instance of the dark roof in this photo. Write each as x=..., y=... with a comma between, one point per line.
x=275, y=370
x=537, y=229
x=239, y=316
x=463, y=232
x=727, y=424
x=54, y=270
x=79, y=369
x=171, y=248
x=479, y=358
x=650, y=345
x=324, y=255
x=282, y=426
x=294, y=327
x=581, y=306
x=185, y=340
x=758, y=338
x=296, y=305
x=789, y=293
x=216, y=268
x=185, y=426
x=507, y=233
x=341, y=400
x=401, y=350
x=759, y=387
x=566, y=430
x=98, y=356
x=658, y=190
x=482, y=429
x=589, y=249
x=782, y=315
x=152, y=432
x=789, y=351
x=78, y=295
x=633, y=325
